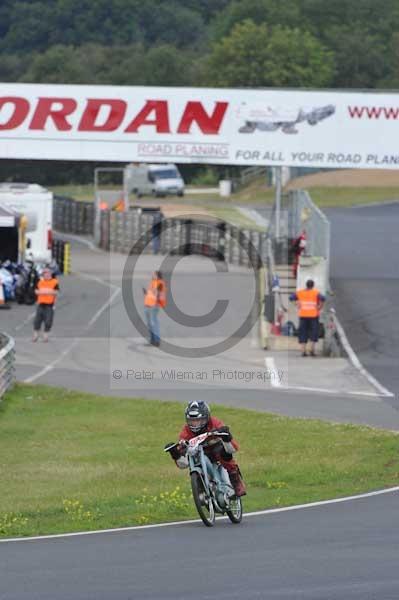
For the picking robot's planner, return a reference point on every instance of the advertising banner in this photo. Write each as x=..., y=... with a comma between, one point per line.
x=200, y=125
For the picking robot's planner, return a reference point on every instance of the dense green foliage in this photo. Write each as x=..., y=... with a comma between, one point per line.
x=300, y=43
x=223, y=43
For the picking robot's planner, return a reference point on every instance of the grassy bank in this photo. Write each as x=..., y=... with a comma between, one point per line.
x=257, y=194
x=329, y=197
x=212, y=205
x=72, y=461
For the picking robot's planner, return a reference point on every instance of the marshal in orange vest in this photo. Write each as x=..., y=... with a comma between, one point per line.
x=42, y=286
x=308, y=302
x=156, y=293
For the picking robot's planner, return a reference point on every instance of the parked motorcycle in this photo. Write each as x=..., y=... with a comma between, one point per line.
x=8, y=280
x=210, y=483
x=28, y=278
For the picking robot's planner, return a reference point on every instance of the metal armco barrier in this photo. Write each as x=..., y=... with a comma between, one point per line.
x=61, y=252
x=7, y=363
x=332, y=344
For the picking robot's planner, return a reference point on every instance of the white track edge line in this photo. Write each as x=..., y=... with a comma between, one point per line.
x=59, y=358
x=373, y=395
x=268, y=511
x=358, y=365
x=274, y=376
x=80, y=240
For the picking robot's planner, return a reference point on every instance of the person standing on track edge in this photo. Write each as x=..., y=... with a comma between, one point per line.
x=154, y=299
x=46, y=294
x=309, y=302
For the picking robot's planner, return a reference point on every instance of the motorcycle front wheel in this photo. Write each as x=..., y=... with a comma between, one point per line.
x=234, y=512
x=203, y=503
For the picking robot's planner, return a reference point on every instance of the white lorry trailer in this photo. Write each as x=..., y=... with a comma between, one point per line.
x=36, y=204
x=154, y=180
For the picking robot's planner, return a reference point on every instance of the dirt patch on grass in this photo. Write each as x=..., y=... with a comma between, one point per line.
x=183, y=210
x=178, y=209
x=357, y=178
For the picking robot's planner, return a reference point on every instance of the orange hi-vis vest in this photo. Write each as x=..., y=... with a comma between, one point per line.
x=308, y=302
x=43, y=298
x=156, y=294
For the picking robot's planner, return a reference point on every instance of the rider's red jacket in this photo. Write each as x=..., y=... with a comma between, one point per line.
x=213, y=423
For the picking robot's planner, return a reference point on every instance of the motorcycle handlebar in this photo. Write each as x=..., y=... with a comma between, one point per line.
x=214, y=433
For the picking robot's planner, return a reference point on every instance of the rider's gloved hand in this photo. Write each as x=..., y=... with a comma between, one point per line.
x=225, y=430
x=173, y=450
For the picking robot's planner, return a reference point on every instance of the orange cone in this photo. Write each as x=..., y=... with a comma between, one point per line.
x=3, y=303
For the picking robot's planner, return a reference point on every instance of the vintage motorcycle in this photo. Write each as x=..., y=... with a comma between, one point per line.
x=210, y=483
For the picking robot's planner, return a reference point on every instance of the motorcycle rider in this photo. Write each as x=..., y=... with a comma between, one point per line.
x=199, y=420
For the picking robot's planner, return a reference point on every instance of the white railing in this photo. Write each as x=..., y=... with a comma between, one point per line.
x=7, y=363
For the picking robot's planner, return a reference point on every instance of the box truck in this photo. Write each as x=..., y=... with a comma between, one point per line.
x=154, y=180
x=36, y=204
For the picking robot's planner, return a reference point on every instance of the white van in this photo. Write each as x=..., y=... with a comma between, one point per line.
x=154, y=180
x=36, y=203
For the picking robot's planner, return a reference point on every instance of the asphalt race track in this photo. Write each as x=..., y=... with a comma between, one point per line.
x=343, y=551
x=365, y=278
x=338, y=551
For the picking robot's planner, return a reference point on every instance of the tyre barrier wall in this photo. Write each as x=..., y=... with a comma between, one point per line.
x=138, y=229
x=73, y=216
x=7, y=363
x=141, y=232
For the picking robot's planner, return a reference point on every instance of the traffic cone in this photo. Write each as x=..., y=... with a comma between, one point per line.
x=3, y=303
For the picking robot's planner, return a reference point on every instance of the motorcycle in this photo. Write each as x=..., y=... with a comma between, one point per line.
x=8, y=280
x=27, y=283
x=210, y=483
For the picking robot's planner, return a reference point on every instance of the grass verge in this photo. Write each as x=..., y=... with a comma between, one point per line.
x=73, y=461
x=345, y=197
x=256, y=193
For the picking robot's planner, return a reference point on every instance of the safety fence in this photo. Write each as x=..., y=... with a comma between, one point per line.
x=303, y=214
x=73, y=216
x=7, y=363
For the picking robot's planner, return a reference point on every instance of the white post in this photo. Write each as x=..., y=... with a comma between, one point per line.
x=278, y=200
x=97, y=233
x=125, y=191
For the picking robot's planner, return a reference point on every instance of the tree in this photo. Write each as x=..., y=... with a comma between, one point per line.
x=166, y=65
x=269, y=12
x=258, y=55
x=117, y=65
x=362, y=59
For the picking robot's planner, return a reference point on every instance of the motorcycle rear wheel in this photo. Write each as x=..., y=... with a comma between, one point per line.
x=203, y=503
x=234, y=512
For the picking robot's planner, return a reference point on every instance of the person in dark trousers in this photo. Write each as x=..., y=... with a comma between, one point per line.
x=46, y=294
x=156, y=232
x=309, y=302
x=154, y=299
